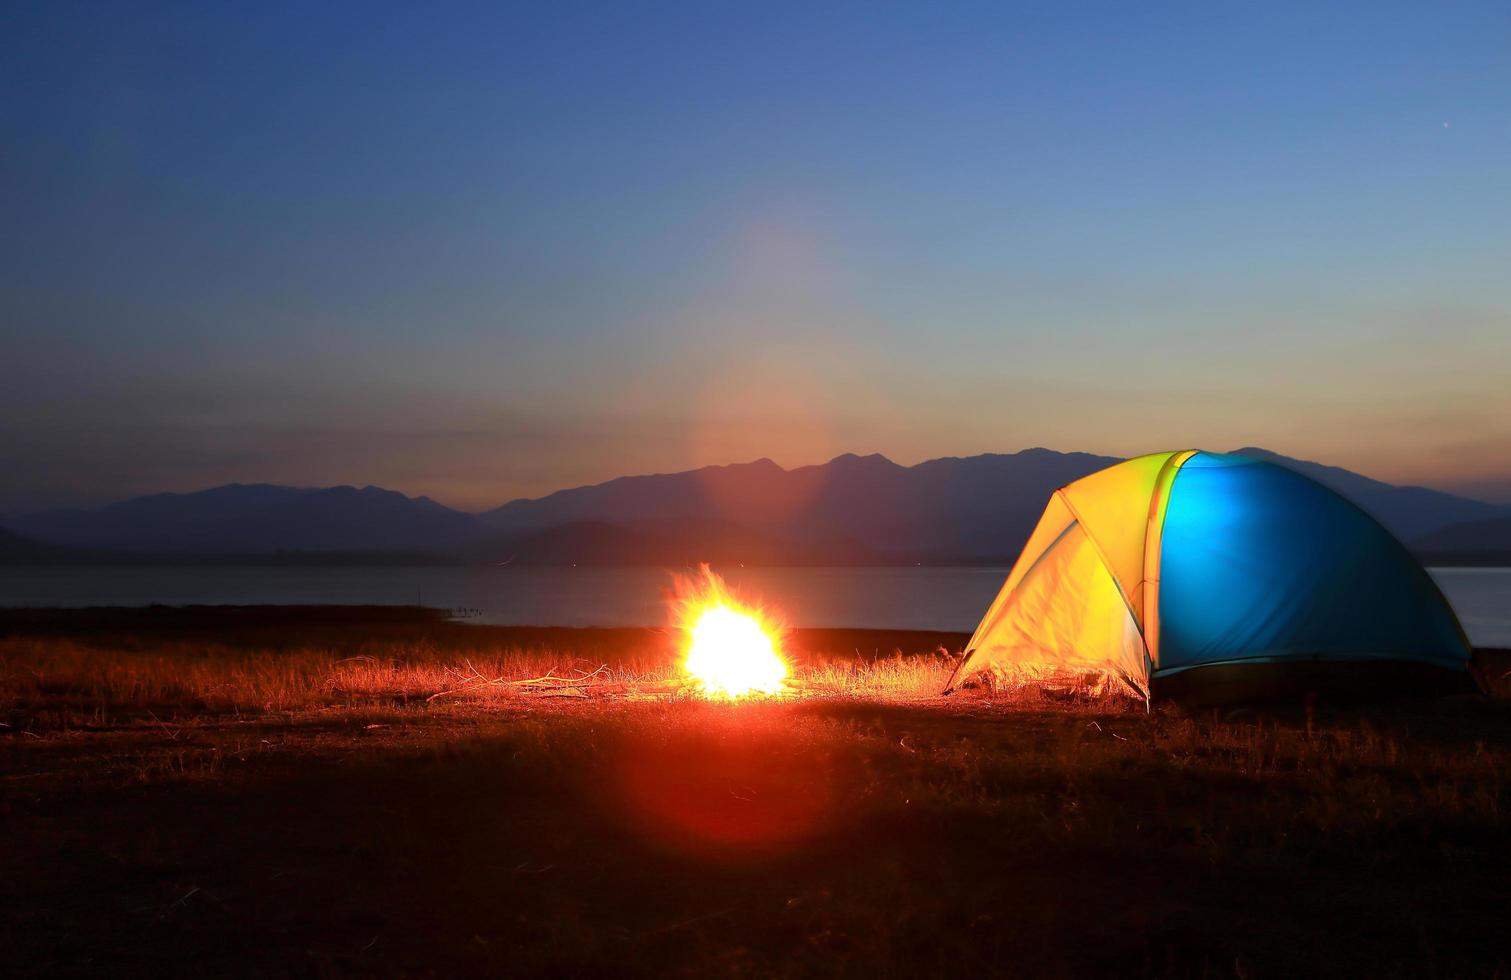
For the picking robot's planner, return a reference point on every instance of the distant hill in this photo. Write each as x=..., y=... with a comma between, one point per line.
x=853, y=509
x=257, y=519
x=976, y=506
x=1486, y=542
x=15, y=549
x=160, y=522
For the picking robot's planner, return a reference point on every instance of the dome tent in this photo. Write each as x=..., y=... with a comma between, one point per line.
x=1174, y=571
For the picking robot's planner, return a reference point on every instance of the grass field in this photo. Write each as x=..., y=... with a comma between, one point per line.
x=379, y=792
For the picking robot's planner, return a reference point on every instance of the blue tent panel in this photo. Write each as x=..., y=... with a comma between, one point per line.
x=1260, y=563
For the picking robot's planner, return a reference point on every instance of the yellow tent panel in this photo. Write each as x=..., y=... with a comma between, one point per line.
x=1113, y=507
x=1065, y=622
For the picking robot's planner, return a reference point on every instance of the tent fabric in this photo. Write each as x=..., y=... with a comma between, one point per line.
x=1153, y=537
x=1113, y=506
x=1053, y=523
x=1260, y=561
x=1171, y=561
x=1066, y=621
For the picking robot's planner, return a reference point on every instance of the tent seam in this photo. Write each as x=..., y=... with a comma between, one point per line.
x=1159, y=502
x=1017, y=591
x=1106, y=566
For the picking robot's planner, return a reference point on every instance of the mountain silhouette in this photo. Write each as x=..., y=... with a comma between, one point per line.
x=850, y=510
x=160, y=522
x=968, y=507
x=15, y=549
x=1483, y=542
x=257, y=519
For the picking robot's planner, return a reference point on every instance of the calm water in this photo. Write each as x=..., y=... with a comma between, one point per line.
x=895, y=598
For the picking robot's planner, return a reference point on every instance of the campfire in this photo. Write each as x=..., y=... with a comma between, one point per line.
x=733, y=649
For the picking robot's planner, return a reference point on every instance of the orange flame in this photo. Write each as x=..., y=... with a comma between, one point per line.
x=733, y=649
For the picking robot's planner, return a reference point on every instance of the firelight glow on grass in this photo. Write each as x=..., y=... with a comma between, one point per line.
x=733, y=650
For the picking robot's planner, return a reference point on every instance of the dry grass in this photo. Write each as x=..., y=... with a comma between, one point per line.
x=57, y=682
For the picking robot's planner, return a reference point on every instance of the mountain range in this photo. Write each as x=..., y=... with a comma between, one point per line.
x=256, y=518
x=851, y=510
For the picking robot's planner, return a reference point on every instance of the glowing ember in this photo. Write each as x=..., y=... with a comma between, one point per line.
x=732, y=650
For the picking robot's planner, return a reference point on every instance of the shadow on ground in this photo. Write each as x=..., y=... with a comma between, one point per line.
x=833, y=838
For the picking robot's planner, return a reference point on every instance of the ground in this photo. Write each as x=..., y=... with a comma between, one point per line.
x=369, y=792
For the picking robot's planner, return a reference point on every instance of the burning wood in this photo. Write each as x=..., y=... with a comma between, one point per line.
x=733, y=649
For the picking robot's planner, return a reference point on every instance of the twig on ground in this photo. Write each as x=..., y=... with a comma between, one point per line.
x=685, y=923
x=586, y=683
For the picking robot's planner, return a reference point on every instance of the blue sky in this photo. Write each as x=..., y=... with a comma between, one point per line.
x=487, y=251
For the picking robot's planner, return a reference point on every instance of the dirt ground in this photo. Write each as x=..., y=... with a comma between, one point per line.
x=158, y=828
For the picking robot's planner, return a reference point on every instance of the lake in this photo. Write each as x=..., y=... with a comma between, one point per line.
x=889, y=598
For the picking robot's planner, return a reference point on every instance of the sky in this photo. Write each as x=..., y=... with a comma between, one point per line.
x=488, y=251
